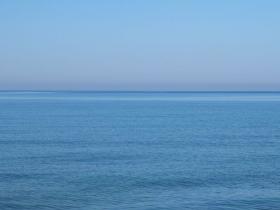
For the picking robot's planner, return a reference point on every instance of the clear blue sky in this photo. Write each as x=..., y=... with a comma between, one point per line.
x=140, y=44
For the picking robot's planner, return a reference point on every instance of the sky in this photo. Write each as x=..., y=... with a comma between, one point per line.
x=139, y=45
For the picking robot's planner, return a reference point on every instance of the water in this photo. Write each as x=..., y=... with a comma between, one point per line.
x=139, y=150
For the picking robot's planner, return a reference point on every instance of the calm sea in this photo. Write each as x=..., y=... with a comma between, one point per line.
x=139, y=150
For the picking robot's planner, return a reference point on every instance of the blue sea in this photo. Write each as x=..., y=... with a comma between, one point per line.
x=139, y=150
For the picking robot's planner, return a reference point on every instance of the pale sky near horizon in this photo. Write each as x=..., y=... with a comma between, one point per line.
x=139, y=45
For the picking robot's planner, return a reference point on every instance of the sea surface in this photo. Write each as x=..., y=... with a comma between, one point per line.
x=139, y=150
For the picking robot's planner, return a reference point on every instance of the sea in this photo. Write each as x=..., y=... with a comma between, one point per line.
x=66, y=150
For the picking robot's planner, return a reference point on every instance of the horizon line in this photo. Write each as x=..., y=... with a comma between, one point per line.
x=135, y=91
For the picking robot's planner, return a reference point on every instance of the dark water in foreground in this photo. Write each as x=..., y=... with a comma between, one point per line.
x=90, y=150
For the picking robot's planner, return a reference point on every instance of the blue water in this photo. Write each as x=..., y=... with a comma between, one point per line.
x=139, y=150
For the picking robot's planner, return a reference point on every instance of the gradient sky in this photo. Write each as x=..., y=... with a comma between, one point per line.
x=140, y=44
